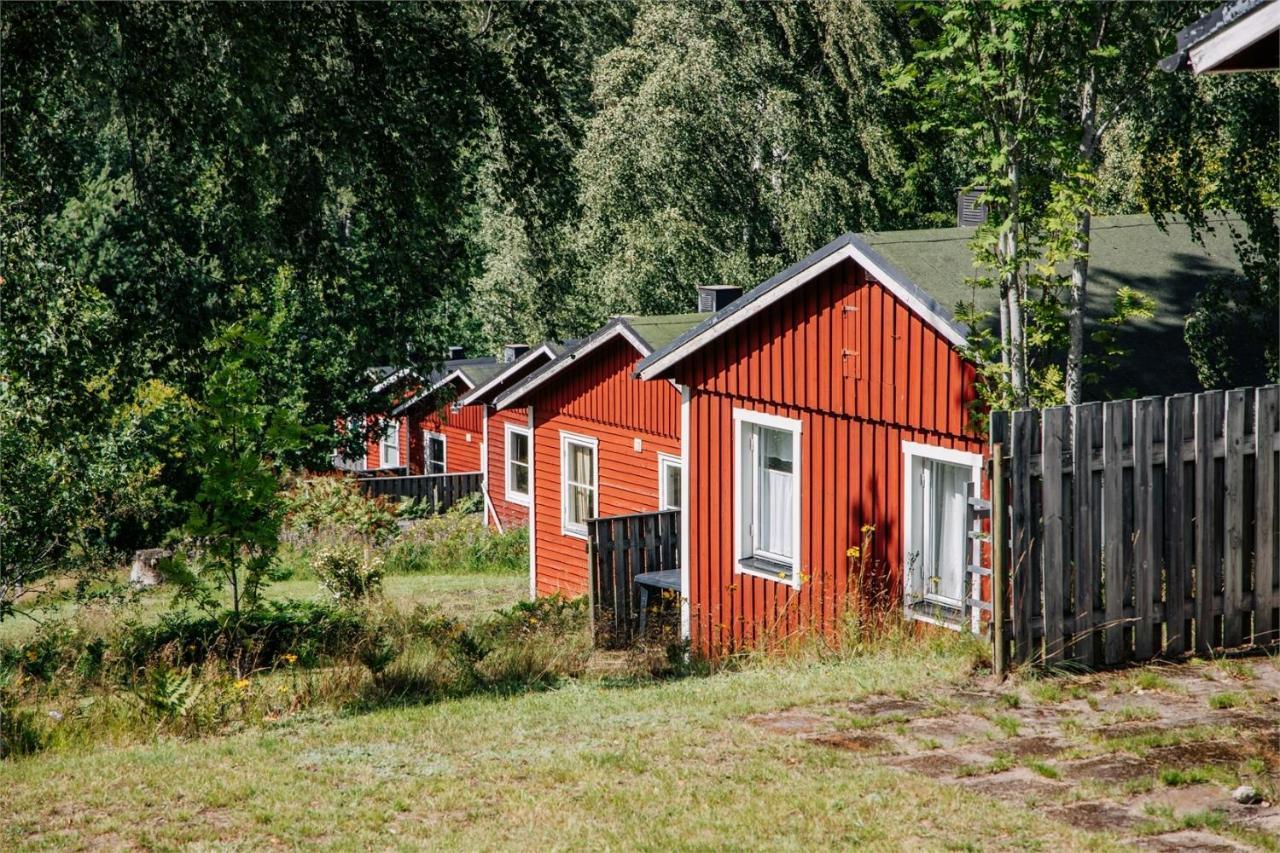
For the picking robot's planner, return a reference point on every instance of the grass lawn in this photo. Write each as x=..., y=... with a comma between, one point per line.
x=672, y=764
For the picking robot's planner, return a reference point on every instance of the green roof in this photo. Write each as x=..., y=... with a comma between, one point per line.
x=660, y=330
x=1170, y=267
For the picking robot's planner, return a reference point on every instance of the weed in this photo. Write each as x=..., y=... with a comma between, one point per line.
x=1048, y=771
x=1131, y=714
x=1006, y=724
x=1240, y=670
x=1193, y=776
x=1010, y=700
x=1229, y=699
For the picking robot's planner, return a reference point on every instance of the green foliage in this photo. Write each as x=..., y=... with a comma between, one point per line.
x=1227, y=335
x=167, y=693
x=349, y=571
x=238, y=438
x=457, y=542
x=335, y=506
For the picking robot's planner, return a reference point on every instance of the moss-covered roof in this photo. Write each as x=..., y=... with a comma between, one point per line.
x=1169, y=266
x=659, y=330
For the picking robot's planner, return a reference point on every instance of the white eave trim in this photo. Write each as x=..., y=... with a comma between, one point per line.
x=780, y=291
x=544, y=350
x=1228, y=41
x=392, y=378
x=566, y=360
x=418, y=398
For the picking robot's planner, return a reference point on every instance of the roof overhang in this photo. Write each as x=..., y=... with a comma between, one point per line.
x=452, y=376
x=615, y=328
x=480, y=393
x=1243, y=35
x=392, y=378
x=849, y=247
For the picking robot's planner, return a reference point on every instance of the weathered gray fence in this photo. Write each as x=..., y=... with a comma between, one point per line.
x=1140, y=527
x=619, y=547
x=437, y=492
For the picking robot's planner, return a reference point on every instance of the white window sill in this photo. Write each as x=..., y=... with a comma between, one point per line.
x=519, y=500
x=772, y=570
x=574, y=534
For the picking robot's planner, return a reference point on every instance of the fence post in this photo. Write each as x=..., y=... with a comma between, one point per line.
x=999, y=572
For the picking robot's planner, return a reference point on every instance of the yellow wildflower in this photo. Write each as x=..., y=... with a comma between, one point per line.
x=853, y=553
x=242, y=684
x=289, y=658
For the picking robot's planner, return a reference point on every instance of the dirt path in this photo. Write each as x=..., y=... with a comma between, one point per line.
x=1151, y=755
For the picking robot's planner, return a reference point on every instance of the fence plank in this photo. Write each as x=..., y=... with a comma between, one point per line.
x=1020, y=548
x=621, y=548
x=1233, y=562
x=1178, y=416
x=1054, y=427
x=1113, y=417
x=1087, y=418
x=1144, y=562
x=1206, y=423
x=1266, y=571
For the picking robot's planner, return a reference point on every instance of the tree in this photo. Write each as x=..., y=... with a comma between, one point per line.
x=239, y=438
x=992, y=76
x=729, y=139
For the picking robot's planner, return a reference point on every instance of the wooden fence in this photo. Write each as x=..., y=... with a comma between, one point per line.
x=438, y=492
x=619, y=547
x=1137, y=528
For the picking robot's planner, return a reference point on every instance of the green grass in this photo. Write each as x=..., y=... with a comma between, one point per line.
x=1229, y=699
x=673, y=764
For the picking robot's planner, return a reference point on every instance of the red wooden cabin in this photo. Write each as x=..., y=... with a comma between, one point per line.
x=440, y=435
x=829, y=399
x=604, y=442
x=508, y=441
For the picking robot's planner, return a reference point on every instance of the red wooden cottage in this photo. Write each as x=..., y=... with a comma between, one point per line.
x=508, y=441
x=604, y=443
x=437, y=434
x=830, y=398
x=834, y=398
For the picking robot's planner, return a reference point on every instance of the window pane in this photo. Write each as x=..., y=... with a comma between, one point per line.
x=938, y=529
x=776, y=493
x=673, y=487
x=580, y=504
x=776, y=449
x=519, y=447
x=520, y=479
x=580, y=464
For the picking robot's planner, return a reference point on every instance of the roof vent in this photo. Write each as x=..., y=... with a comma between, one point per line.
x=712, y=298
x=512, y=352
x=969, y=212
x=456, y=353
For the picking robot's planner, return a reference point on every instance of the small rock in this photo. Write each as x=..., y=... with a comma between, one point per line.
x=56, y=716
x=1246, y=795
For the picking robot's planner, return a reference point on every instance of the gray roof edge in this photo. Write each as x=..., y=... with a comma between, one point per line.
x=476, y=393
x=515, y=393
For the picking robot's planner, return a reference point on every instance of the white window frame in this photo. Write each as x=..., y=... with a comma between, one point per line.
x=746, y=560
x=567, y=438
x=427, y=435
x=390, y=438
x=912, y=450
x=665, y=501
x=521, y=498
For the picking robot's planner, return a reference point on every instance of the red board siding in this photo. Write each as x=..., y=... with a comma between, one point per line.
x=863, y=374
x=600, y=399
x=510, y=513
x=463, y=433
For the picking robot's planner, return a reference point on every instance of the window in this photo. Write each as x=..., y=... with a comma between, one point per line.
x=389, y=446
x=578, y=483
x=517, y=464
x=432, y=452
x=767, y=491
x=669, y=471
x=936, y=547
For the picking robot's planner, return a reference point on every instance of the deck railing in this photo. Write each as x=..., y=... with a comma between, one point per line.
x=619, y=547
x=437, y=492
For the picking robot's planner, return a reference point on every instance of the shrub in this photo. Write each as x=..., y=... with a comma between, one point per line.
x=336, y=506
x=349, y=571
x=457, y=542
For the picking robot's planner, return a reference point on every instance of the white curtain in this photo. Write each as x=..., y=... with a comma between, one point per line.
x=581, y=483
x=942, y=527
x=777, y=492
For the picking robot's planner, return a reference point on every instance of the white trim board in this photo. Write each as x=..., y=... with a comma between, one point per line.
x=903, y=290
x=685, y=401
x=1242, y=34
